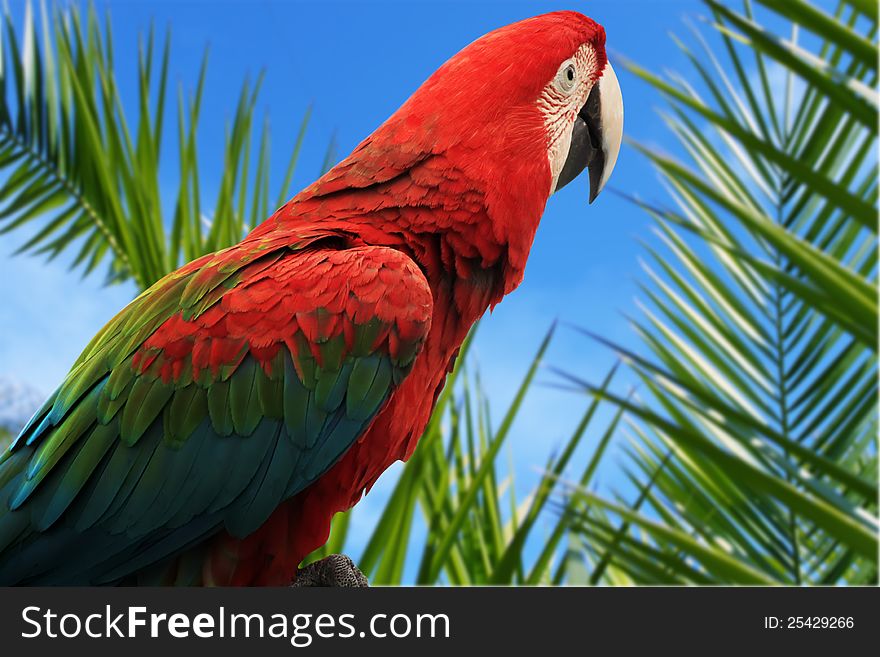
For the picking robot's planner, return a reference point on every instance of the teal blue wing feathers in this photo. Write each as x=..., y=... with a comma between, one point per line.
x=226, y=388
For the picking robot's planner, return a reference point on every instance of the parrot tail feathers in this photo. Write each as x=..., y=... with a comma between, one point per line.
x=29, y=429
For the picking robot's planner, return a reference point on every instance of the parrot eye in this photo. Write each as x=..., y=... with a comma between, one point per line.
x=566, y=77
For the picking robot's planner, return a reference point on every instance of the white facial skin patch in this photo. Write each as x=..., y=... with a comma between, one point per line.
x=561, y=102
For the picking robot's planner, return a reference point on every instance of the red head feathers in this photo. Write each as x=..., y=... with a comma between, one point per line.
x=483, y=143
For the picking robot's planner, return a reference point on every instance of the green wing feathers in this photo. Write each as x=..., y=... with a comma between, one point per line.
x=224, y=389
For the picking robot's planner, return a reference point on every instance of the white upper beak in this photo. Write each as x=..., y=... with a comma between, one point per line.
x=612, y=120
x=595, y=137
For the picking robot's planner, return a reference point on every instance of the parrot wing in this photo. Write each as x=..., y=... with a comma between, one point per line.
x=226, y=388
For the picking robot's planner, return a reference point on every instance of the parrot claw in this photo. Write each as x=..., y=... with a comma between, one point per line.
x=337, y=570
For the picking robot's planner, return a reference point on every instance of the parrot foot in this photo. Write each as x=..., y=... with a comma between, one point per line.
x=337, y=570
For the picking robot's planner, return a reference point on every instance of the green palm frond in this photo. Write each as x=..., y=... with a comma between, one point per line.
x=73, y=159
x=753, y=445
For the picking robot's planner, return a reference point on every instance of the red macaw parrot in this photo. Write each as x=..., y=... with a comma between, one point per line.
x=210, y=431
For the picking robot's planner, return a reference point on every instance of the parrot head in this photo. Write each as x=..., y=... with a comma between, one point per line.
x=541, y=88
x=488, y=138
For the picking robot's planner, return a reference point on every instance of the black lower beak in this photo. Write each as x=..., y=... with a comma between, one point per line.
x=586, y=146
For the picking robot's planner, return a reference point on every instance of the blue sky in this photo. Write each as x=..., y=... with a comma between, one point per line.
x=357, y=62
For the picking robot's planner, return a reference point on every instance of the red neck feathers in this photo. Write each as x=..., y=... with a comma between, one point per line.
x=459, y=175
x=456, y=206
